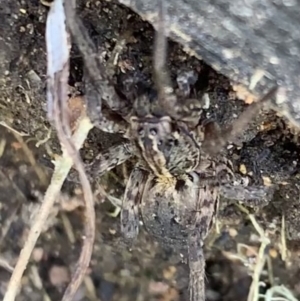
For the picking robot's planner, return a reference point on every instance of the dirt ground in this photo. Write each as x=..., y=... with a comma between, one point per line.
x=267, y=152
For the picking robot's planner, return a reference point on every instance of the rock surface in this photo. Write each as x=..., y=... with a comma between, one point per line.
x=254, y=43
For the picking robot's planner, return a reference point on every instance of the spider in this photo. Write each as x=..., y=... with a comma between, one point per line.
x=179, y=173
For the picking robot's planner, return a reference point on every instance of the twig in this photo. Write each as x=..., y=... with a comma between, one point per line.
x=283, y=240
x=274, y=293
x=3, y=123
x=270, y=271
x=90, y=288
x=66, y=116
x=38, y=283
x=68, y=228
x=2, y=146
x=39, y=171
x=261, y=259
x=5, y=265
x=62, y=168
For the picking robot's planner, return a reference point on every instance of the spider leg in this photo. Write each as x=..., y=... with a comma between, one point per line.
x=205, y=211
x=95, y=69
x=216, y=139
x=251, y=196
x=105, y=161
x=180, y=108
x=166, y=96
x=130, y=208
x=220, y=175
x=197, y=267
x=161, y=75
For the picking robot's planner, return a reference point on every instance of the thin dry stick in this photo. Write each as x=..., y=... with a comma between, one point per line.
x=61, y=113
x=39, y=171
x=283, y=240
x=5, y=264
x=62, y=168
x=274, y=293
x=68, y=228
x=90, y=219
x=3, y=123
x=261, y=259
x=38, y=283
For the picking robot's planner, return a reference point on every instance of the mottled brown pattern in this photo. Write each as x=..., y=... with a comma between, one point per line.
x=179, y=175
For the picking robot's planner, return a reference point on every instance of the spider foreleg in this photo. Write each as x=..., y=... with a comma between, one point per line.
x=216, y=139
x=105, y=162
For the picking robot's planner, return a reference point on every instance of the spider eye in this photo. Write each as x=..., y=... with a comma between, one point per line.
x=141, y=131
x=193, y=176
x=159, y=142
x=173, y=142
x=179, y=184
x=153, y=131
x=190, y=177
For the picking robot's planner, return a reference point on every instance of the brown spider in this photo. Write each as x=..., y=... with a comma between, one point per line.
x=179, y=175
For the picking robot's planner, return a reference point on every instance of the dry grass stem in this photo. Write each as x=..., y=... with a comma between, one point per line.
x=260, y=261
x=278, y=293
x=5, y=264
x=68, y=228
x=38, y=170
x=37, y=282
x=62, y=168
x=3, y=123
x=283, y=240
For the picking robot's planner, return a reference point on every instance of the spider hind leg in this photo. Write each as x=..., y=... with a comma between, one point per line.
x=197, y=267
x=130, y=207
x=216, y=138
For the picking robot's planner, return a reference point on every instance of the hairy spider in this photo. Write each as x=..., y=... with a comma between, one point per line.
x=179, y=173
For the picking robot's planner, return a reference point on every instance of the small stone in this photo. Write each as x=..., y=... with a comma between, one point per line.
x=267, y=181
x=170, y=295
x=169, y=272
x=37, y=254
x=232, y=232
x=157, y=287
x=249, y=99
x=243, y=169
x=284, y=183
x=112, y=231
x=59, y=275
x=206, y=101
x=243, y=93
x=273, y=253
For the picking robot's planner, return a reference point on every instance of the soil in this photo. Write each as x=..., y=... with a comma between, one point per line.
x=266, y=152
